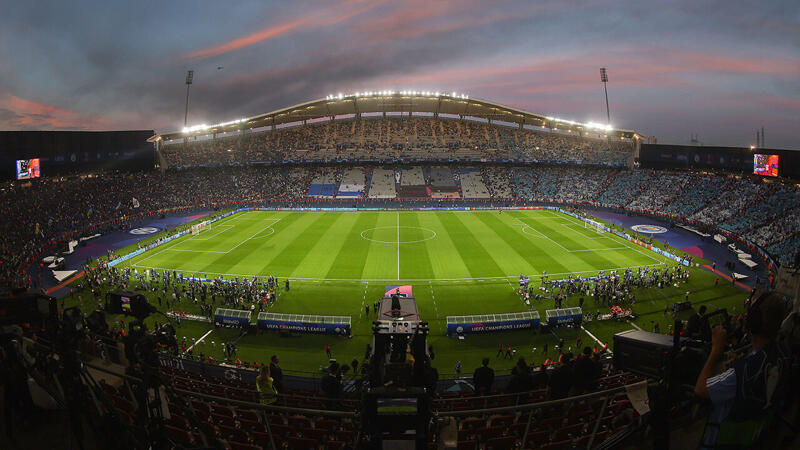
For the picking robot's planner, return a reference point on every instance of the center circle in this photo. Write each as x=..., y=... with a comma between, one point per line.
x=398, y=235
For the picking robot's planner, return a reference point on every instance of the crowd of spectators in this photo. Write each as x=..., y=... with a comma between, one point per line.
x=394, y=138
x=41, y=212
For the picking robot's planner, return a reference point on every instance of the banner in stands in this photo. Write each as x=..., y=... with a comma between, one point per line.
x=304, y=323
x=489, y=323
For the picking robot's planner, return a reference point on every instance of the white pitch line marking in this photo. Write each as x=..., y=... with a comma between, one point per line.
x=199, y=340
x=254, y=235
x=398, y=246
x=593, y=337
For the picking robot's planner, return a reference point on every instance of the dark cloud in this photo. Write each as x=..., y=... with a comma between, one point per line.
x=676, y=68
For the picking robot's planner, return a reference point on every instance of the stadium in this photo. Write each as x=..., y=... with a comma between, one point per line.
x=285, y=234
x=364, y=225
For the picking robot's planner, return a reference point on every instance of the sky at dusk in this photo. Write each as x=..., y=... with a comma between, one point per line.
x=720, y=69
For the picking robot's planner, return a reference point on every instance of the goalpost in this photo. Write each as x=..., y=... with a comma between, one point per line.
x=596, y=227
x=200, y=227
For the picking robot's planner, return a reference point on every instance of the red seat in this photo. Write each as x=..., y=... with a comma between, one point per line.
x=280, y=430
x=335, y=445
x=241, y=446
x=539, y=438
x=489, y=433
x=261, y=439
x=472, y=424
x=467, y=445
x=246, y=414
x=201, y=406
x=177, y=420
x=232, y=434
x=517, y=429
x=326, y=424
x=569, y=432
x=276, y=419
x=303, y=444
x=223, y=420
x=250, y=425
x=222, y=411
x=178, y=435
x=344, y=435
x=556, y=445
x=501, y=421
x=501, y=443
x=313, y=433
x=299, y=422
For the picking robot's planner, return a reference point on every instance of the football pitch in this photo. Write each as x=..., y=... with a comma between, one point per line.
x=457, y=263
x=398, y=246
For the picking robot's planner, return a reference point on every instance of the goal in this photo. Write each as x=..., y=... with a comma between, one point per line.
x=200, y=227
x=597, y=227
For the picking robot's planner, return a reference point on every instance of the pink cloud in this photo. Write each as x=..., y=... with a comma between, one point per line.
x=236, y=44
x=29, y=114
x=327, y=17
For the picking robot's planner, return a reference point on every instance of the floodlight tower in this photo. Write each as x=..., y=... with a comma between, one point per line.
x=604, y=79
x=189, y=78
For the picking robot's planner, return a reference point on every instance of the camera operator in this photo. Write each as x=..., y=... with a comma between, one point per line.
x=743, y=397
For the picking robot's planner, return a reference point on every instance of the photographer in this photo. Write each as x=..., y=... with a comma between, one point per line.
x=743, y=397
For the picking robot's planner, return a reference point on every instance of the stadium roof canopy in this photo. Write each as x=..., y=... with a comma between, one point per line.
x=394, y=102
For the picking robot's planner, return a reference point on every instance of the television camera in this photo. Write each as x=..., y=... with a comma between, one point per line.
x=397, y=403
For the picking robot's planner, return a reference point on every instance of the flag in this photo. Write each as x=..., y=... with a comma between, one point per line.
x=135, y=202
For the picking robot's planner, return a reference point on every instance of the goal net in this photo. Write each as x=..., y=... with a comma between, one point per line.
x=200, y=227
x=597, y=227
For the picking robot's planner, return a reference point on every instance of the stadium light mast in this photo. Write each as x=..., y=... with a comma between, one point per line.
x=604, y=79
x=189, y=78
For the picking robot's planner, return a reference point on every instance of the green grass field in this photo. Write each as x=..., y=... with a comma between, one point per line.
x=459, y=263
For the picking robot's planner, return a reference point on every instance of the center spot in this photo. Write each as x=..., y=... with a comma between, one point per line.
x=398, y=235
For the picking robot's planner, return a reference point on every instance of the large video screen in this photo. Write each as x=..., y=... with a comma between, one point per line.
x=766, y=165
x=27, y=168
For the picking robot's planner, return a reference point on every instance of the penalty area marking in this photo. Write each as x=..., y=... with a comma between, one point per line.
x=198, y=238
x=526, y=227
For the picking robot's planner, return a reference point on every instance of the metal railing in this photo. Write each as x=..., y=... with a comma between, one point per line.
x=606, y=395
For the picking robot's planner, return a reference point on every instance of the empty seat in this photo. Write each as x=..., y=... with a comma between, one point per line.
x=303, y=443
x=242, y=446
x=501, y=443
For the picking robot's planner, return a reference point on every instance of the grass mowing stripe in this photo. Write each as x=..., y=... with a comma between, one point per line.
x=548, y=257
x=414, y=255
x=442, y=251
x=322, y=255
x=475, y=257
x=571, y=241
x=513, y=245
x=288, y=259
x=351, y=257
